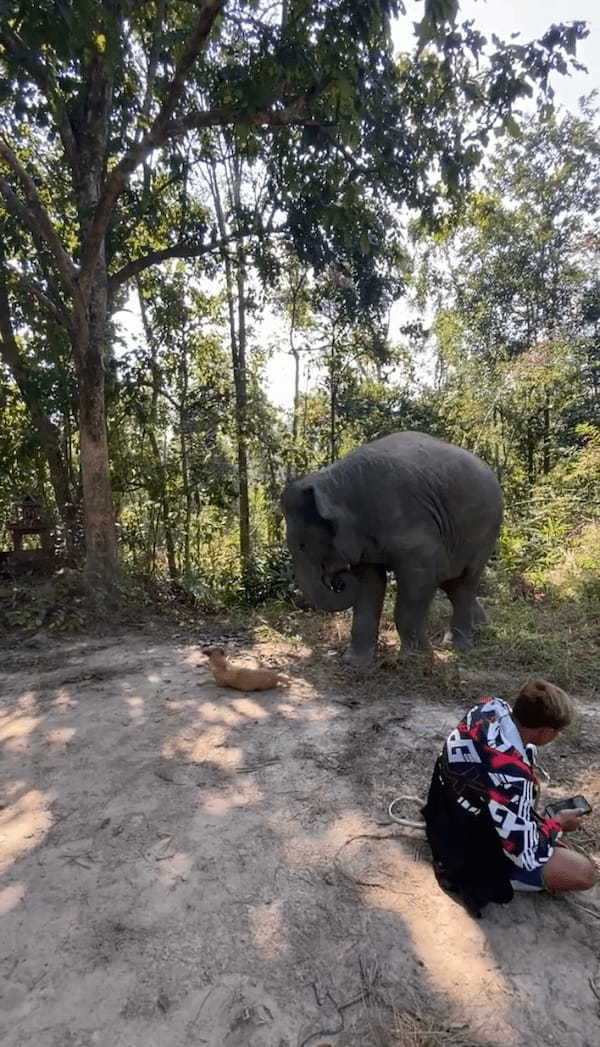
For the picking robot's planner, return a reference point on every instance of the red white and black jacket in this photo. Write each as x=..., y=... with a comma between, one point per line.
x=487, y=766
x=479, y=816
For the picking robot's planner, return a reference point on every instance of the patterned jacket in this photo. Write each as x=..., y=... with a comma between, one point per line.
x=486, y=764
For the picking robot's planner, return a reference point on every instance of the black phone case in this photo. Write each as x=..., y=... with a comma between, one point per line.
x=575, y=803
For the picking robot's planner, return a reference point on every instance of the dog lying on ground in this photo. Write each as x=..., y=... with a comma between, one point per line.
x=242, y=677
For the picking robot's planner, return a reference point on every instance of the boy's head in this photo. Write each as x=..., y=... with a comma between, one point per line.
x=543, y=709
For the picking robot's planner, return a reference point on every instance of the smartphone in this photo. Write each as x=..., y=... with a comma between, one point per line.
x=578, y=804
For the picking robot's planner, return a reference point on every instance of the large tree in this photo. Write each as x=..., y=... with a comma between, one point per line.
x=100, y=99
x=516, y=291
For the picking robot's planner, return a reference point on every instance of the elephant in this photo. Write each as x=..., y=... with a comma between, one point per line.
x=425, y=510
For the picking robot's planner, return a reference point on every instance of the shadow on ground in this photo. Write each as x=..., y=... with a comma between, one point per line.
x=186, y=865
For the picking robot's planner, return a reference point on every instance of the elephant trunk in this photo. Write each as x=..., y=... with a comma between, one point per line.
x=327, y=591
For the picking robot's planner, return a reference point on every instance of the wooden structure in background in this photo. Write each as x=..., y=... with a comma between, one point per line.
x=30, y=519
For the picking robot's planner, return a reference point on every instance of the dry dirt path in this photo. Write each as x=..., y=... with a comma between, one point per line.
x=185, y=865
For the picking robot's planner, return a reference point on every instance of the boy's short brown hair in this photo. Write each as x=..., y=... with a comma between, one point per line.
x=543, y=704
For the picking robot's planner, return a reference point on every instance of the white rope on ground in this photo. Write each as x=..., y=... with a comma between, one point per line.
x=411, y=823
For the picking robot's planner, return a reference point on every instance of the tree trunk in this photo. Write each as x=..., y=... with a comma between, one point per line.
x=295, y=419
x=241, y=414
x=98, y=512
x=185, y=472
x=164, y=504
x=237, y=330
x=296, y=290
x=546, y=438
x=530, y=460
x=152, y=428
x=89, y=350
x=90, y=331
x=332, y=403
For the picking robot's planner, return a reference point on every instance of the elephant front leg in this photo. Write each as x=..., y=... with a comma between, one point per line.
x=414, y=592
x=367, y=612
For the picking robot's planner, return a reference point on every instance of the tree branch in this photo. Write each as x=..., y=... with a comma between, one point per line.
x=20, y=212
x=56, y=311
x=37, y=218
x=152, y=66
x=179, y=250
x=292, y=115
x=295, y=114
x=210, y=10
x=44, y=79
x=120, y=174
x=165, y=128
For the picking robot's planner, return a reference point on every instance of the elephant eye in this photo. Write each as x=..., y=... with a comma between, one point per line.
x=302, y=547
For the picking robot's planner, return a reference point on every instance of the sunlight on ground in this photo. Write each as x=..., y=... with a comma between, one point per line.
x=15, y=730
x=22, y=825
x=64, y=699
x=249, y=708
x=301, y=712
x=59, y=738
x=10, y=897
x=244, y=794
x=209, y=746
x=313, y=848
x=177, y=866
x=27, y=702
x=457, y=957
x=136, y=709
x=213, y=713
x=266, y=923
x=452, y=946
x=191, y=658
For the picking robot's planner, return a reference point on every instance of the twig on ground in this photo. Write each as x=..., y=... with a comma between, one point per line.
x=364, y=836
x=76, y=859
x=314, y=1037
x=594, y=989
x=370, y=883
x=257, y=766
x=201, y=1007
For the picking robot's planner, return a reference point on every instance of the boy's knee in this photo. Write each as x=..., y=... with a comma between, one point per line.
x=587, y=876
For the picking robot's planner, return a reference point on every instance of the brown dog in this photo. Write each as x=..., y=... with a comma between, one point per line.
x=241, y=677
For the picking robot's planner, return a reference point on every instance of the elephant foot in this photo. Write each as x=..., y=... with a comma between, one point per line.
x=358, y=659
x=416, y=644
x=457, y=639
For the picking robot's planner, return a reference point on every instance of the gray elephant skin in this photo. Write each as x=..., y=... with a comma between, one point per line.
x=426, y=510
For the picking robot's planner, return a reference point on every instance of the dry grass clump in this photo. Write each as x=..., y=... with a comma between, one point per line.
x=389, y=1027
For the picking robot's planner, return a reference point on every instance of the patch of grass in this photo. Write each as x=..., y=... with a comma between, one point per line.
x=64, y=603
x=529, y=632
x=408, y=1029
x=556, y=639
x=577, y=575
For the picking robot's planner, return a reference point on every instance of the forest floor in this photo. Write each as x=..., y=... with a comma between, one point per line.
x=182, y=864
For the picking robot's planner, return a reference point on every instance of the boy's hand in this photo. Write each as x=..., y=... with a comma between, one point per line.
x=569, y=820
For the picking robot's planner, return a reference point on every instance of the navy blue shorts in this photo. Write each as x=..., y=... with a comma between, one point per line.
x=527, y=879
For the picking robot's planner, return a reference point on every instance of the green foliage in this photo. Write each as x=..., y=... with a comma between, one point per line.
x=552, y=540
x=57, y=604
x=314, y=133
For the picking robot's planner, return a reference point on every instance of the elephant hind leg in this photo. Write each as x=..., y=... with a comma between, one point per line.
x=467, y=611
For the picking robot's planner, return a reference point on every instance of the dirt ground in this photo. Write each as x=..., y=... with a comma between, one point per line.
x=182, y=864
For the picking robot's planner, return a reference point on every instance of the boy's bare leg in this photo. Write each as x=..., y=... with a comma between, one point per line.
x=567, y=870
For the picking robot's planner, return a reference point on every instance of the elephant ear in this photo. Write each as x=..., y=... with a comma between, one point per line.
x=346, y=537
